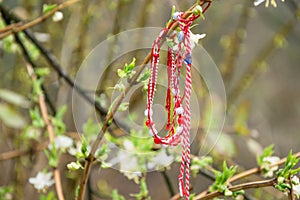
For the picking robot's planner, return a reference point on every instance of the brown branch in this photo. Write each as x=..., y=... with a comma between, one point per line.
x=54, y=64
x=257, y=169
x=241, y=175
x=291, y=193
x=50, y=130
x=41, y=101
x=118, y=101
x=10, y=27
x=21, y=152
x=17, y=28
x=243, y=186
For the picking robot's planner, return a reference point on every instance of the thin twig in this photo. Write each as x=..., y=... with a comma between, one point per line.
x=21, y=152
x=53, y=62
x=9, y=27
x=243, y=186
x=50, y=130
x=242, y=175
x=17, y=28
x=257, y=169
x=291, y=193
x=42, y=105
x=109, y=116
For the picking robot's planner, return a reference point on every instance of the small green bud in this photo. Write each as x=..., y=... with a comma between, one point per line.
x=280, y=179
x=228, y=193
x=74, y=166
x=197, y=10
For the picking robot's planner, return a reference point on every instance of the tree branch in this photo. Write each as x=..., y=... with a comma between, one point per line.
x=257, y=169
x=21, y=152
x=42, y=106
x=243, y=186
x=50, y=130
x=118, y=101
x=15, y=28
x=53, y=62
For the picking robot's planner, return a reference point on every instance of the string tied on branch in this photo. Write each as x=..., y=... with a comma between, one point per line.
x=179, y=58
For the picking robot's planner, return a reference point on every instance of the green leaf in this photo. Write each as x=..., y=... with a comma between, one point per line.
x=37, y=120
x=121, y=73
x=239, y=192
x=6, y=191
x=9, y=45
x=120, y=87
x=192, y=196
x=220, y=183
x=49, y=196
x=48, y=7
x=173, y=10
x=116, y=196
x=14, y=98
x=31, y=132
x=123, y=106
x=11, y=117
x=102, y=152
x=291, y=162
x=42, y=71
x=37, y=87
x=33, y=51
x=127, y=71
x=143, y=194
x=268, y=151
x=200, y=163
x=84, y=149
x=52, y=155
x=57, y=121
x=129, y=68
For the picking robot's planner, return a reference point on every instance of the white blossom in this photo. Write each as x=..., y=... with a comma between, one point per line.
x=42, y=181
x=195, y=39
x=296, y=186
x=267, y=161
x=58, y=16
x=62, y=142
x=295, y=180
x=161, y=160
x=128, y=145
x=74, y=166
x=129, y=165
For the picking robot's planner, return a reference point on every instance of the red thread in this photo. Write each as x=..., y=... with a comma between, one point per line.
x=179, y=58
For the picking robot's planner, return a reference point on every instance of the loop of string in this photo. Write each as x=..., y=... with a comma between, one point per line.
x=179, y=58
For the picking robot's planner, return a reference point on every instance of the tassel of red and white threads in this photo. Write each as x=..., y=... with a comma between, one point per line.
x=178, y=125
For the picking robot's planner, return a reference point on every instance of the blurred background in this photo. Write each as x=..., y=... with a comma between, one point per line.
x=256, y=50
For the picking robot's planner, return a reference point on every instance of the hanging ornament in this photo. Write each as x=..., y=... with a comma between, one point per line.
x=177, y=105
x=179, y=58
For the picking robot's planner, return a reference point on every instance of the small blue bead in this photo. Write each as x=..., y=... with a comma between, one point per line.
x=180, y=36
x=188, y=59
